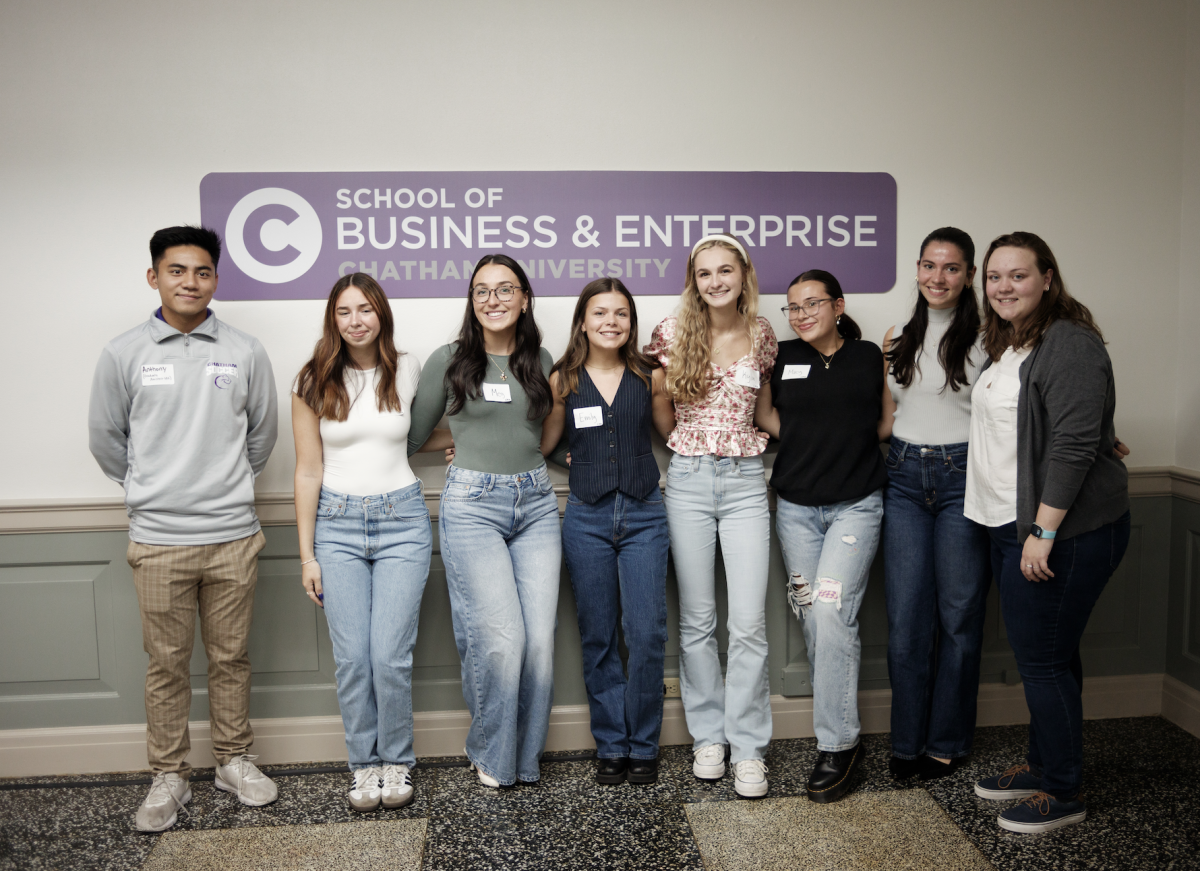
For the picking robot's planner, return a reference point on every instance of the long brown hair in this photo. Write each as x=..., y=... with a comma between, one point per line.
x=322, y=380
x=689, y=372
x=576, y=355
x=1055, y=305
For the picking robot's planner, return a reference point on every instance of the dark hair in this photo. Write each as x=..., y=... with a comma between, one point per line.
x=169, y=237
x=578, y=345
x=1056, y=304
x=464, y=373
x=846, y=326
x=321, y=382
x=956, y=344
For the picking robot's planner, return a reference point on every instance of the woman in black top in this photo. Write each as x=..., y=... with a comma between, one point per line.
x=607, y=395
x=824, y=404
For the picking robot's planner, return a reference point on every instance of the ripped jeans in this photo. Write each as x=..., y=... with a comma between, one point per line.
x=828, y=550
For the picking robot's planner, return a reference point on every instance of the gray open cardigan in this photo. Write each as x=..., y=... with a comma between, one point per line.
x=1065, y=433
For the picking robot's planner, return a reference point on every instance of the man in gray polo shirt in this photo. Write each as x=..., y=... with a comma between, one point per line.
x=184, y=415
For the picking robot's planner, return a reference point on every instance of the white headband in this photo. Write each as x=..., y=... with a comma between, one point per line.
x=721, y=237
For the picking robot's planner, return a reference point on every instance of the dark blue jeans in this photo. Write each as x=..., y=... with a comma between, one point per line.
x=936, y=575
x=1045, y=621
x=616, y=552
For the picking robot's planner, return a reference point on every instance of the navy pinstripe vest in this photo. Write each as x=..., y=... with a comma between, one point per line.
x=617, y=454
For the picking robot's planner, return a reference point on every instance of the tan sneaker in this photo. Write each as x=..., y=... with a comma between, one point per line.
x=397, y=786
x=242, y=777
x=168, y=794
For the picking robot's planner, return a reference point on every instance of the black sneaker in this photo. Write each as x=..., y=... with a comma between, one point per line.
x=830, y=778
x=1020, y=781
x=612, y=770
x=1042, y=812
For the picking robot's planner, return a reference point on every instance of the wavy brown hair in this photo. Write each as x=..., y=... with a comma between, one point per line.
x=1056, y=304
x=574, y=358
x=689, y=372
x=322, y=380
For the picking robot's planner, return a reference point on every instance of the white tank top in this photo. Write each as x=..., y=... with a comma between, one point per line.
x=367, y=453
x=925, y=413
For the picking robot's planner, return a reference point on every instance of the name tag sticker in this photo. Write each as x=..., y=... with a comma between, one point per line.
x=229, y=369
x=746, y=377
x=496, y=393
x=159, y=373
x=797, y=371
x=585, y=417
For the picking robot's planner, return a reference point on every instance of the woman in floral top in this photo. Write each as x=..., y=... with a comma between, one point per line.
x=716, y=353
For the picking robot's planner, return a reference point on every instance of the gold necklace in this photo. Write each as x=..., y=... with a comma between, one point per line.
x=601, y=369
x=822, y=356
x=504, y=377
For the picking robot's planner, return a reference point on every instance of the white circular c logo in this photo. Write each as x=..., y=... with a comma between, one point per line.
x=303, y=234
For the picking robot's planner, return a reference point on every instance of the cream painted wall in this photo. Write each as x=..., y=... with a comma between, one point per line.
x=1187, y=424
x=1063, y=118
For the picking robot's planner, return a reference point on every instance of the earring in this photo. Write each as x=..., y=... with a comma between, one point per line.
x=524, y=309
x=838, y=321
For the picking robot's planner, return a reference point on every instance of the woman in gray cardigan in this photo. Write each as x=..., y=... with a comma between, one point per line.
x=1056, y=501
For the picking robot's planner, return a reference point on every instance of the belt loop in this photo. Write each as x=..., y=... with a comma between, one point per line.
x=903, y=450
x=945, y=454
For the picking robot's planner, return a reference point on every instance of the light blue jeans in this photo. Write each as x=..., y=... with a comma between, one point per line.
x=502, y=550
x=708, y=497
x=374, y=557
x=832, y=547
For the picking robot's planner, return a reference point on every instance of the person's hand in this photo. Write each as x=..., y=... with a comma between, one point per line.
x=1120, y=449
x=310, y=577
x=568, y=459
x=449, y=456
x=1035, y=559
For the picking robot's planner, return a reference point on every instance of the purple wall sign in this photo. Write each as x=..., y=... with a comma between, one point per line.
x=289, y=235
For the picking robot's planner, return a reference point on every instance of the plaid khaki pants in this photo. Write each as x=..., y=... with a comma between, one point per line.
x=171, y=582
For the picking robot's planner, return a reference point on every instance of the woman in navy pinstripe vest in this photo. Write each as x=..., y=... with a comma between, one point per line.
x=607, y=395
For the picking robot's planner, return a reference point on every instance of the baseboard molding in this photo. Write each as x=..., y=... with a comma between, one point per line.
x=97, y=749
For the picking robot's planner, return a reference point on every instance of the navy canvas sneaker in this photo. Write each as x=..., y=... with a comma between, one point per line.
x=1042, y=813
x=1020, y=781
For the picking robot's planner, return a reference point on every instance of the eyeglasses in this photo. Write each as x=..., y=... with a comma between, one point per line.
x=808, y=307
x=504, y=292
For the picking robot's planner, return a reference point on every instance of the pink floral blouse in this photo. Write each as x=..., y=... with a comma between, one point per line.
x=723, y=424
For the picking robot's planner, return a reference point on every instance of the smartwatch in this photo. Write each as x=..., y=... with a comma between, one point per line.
x=1046, y=534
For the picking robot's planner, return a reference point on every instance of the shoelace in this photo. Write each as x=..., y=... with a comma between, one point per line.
x=367, y=778
x=161, y=786
x=756, y=766
x=711, y=754
x=1040, y=802
x=1006, y=779
x=396, y=777
x=246, y=770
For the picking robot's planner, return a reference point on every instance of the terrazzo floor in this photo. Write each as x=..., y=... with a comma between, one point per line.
x=1144, y=812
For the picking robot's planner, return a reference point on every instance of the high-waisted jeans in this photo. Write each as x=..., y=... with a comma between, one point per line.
x=374, y=557
x=1045, y=621
x=832, y=547
x=616, y=550
x=502, y=550
x=936, y=572
x=707, y=497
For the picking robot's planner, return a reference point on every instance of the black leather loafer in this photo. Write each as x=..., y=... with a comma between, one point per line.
x=830, y=778
x=932, y=769
x=903, y=769
x=612, y=770
x=643, y=770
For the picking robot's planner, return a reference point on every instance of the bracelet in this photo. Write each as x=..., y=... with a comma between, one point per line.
x=307, y=561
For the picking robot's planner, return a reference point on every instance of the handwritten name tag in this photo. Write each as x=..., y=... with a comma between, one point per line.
x=585, y=417
x=160, y=373
x=797, y=371
x=746, y=377
x=496, y=393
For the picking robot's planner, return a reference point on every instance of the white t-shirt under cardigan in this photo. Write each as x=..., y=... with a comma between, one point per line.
x=991, y=497
x=927, y=414
x=367, y=453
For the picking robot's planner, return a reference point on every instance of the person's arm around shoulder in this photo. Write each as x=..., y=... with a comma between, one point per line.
x=310, y=469
x=888, y=419
x=108, y=418
x=262, y=410
x=662, y=407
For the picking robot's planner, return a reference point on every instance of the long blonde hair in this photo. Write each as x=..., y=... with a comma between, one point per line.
x=689, y=372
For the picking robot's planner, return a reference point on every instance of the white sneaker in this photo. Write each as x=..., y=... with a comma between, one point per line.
x=484, y=778
x=365, y=794
x=168, y=794
x=750, y=778
x=242, y=777
x=397, y=786
x=708, y=763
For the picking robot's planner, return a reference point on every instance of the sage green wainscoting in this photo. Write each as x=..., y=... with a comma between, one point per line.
x=71, y=644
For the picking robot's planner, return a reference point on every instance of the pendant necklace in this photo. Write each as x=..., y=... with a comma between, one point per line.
x=822, y=356
x=504, y=377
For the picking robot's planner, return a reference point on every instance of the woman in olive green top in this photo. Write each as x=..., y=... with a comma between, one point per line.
x=498, y=521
